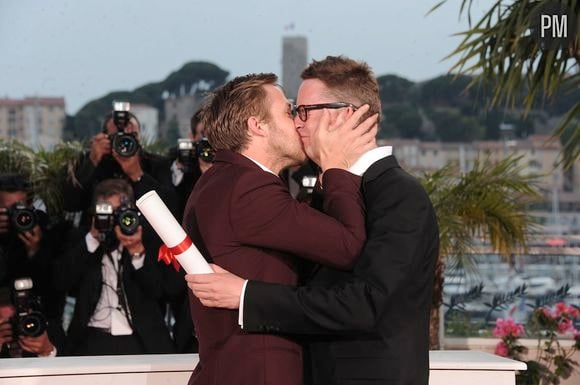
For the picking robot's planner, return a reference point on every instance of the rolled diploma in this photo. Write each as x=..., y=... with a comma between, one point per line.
x=171, y=233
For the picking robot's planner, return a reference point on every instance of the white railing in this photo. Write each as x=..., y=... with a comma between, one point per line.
x=447, y=368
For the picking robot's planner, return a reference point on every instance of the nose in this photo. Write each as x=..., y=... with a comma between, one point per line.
x=298, y=123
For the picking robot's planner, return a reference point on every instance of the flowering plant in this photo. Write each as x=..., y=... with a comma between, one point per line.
x=509, y=332
x=553, y=361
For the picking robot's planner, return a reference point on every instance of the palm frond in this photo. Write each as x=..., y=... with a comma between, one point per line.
x=44, y=169
x=502, y=53
x=489, y=202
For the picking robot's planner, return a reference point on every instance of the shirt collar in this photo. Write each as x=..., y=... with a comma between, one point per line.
x=261, y=165
x=368, y=158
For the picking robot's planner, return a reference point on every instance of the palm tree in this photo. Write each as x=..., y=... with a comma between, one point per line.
x=500, y=49
x=489, y=202
x=46, y=170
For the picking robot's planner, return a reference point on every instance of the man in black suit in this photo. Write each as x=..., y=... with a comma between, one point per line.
x=116, y=281
x=369, y=325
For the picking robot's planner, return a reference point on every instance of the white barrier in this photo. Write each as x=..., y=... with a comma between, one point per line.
x=447, y=368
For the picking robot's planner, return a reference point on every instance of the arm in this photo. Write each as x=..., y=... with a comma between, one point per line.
x=402, y=243
x=74, y=260
x=263, y=214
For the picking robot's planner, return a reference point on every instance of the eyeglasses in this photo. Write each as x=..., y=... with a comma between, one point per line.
x=302, y=110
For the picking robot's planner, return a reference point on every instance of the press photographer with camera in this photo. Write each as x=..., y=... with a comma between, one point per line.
x=116, y=153
x=27, y=251
x=116, y=280
x=192, y=157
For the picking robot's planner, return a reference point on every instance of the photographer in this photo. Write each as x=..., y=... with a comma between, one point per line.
x=116, y=153
x=193, y=157
x=27, y=249
x=116, y=280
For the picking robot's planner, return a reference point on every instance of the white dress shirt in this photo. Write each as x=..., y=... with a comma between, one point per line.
x=109, y=314
x=358, y=168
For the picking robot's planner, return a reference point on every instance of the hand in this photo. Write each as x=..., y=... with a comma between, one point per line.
x=40, y=345
x=341, y=142
x=204, y=166
x=100, y=146
x=131, y=165
x=94, y=232
x=31, y=240
x=4, y=220
x=132, y=243
x=5, y=331
x=220, y=289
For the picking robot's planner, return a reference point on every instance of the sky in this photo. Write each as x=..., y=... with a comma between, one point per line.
x=84, y=49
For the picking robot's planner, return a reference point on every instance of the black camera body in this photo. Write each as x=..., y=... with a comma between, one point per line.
x=28, y=319
x=125, y=216
x=188, y=151
x=124, y=143
x=22, y=218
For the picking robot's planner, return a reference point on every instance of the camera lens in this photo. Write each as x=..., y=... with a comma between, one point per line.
x=204, y=151
x=22, y=217
x=128, y=220
x=125, y=144
x=32, y=324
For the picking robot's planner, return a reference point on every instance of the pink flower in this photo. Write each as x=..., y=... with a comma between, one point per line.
x=507, y=328
x=561, y=308
x=573, y=312
x=501, y=349
x=565, y=325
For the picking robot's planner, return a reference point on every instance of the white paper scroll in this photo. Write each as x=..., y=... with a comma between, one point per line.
x=171, y=233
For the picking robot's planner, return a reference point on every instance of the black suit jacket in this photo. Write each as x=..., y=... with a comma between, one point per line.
x=371, y=325
x=79, y=271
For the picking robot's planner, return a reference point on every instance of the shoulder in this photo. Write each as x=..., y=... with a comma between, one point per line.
x=397, y=180
x=247, y=179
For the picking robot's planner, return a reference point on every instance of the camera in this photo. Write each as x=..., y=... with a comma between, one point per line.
x=204, y=150
x=22, y=218
x=188, y=151
x=28, y=319
x=124, y=143
x=125, y=216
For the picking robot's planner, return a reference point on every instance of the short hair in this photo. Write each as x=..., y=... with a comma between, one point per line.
x=14, y=183
x=348, y=80
x=109, y=187
x=227, y=109
x=195, y=120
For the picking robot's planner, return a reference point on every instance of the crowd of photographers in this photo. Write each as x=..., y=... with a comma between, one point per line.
x=125, y=302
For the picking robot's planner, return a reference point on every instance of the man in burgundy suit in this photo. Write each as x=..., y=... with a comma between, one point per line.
x=242, y=215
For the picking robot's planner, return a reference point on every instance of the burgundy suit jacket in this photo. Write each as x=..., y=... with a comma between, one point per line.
x=245, y=219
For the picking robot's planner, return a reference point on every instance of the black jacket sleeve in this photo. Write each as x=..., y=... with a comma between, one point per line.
x=402, y=242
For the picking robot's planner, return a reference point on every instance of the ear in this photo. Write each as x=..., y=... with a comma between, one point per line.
x=339, y=116
x=256, y=127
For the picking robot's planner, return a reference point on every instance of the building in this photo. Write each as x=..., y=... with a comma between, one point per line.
x=559, y=213
x=149, y=121
x=35, y=121
x=294, y=60
x=178, y=113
